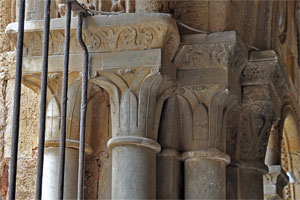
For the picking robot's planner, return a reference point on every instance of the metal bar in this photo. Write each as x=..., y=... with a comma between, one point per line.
x=64, y=100
x=43, y=101
x=83, y=107
x=17, y=101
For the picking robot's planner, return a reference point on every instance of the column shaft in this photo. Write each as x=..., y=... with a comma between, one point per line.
x=205, y=175
x=133, y=167
x=251, y=181
x=50, y=173
x=168, y=175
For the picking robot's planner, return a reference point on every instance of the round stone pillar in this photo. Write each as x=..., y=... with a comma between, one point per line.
x=205, y=174
x=51, y=169
x=133, y=167
x=50, y=173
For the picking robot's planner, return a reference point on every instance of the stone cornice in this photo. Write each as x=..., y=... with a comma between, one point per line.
x=105, y=34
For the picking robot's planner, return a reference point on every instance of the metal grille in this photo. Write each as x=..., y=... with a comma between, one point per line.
x=82, y=12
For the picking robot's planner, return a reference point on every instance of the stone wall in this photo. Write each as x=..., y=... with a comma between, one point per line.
x=275, y=29
x=29, y=115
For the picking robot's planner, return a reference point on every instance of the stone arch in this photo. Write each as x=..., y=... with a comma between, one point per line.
x=283, y=150
x=290, y=149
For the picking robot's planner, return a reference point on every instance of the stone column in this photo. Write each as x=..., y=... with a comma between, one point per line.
x=138, y=83
x=135, y=127
x=264, y=84
x=134, y=66
x=208, y=90
x=134, y=167
x=50, y=173
x=169, y=175
x=204, y=174
x=250, y=180
x=274, y=182
x=169, y=167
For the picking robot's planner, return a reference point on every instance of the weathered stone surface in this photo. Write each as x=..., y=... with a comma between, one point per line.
x=212, y=75
x=136, y=182
x=116, y=33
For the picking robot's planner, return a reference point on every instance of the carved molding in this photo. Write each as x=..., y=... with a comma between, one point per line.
x=205, y=55
x=265, y=68
x=118, y=33
x=215, y=50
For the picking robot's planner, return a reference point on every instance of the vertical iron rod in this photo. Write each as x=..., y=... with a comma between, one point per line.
x=64, y=101
x=17, y=101
x=43, y=101
x=83, y=108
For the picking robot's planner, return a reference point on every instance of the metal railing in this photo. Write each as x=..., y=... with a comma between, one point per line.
x=82, y=11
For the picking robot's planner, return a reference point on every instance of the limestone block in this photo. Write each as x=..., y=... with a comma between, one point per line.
x=29, y=124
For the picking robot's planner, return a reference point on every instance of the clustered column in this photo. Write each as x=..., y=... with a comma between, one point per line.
x=207, y=91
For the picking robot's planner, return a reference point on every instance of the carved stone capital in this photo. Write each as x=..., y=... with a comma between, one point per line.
x=255, y=124
x=208, y=78
x=129, y=56
x=137, y=95
x=216, y=58
x=264, y=77
x=203, y=110
x=264, y=83
x=32, y=80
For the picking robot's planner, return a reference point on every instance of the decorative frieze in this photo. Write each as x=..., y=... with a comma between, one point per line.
x=120, y=33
